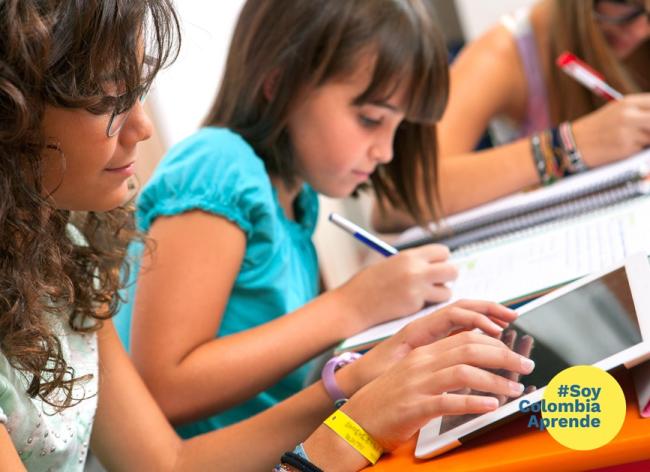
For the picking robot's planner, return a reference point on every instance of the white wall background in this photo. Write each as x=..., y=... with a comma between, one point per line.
x=182, y=95
x=477, y=16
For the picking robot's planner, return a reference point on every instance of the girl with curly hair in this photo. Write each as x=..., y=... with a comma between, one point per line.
x=72, y=76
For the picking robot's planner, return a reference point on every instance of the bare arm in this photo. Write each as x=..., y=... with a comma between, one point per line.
x=181, y=296
x=9, y=459
x=486, y=80
x=131, y=432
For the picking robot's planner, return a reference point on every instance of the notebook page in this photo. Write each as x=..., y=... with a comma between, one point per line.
x=536, y=259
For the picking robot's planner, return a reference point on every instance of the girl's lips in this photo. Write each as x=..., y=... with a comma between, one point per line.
x=128, y=169
x=362, y=175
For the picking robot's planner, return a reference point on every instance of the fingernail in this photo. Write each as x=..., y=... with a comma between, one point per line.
x=497, y=327
x=516, y=388
x=527, y=364
x=490, y=402
x=513, y=311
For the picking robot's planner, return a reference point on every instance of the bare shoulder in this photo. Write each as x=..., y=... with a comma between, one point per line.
x=493, y=57
x=487, y=80
x=497, y=42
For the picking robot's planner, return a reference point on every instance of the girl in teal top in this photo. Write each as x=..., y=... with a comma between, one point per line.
x=72, y=119
x=326, y=97
x=217, y=172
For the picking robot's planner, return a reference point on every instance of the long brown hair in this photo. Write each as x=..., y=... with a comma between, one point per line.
x=575, y=29
x=61, y=54
x=303, y=44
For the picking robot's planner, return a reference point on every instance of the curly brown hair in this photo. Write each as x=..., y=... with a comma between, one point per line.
x=62, y=54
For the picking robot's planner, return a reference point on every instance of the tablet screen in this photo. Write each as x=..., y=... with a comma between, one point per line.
x=584, y=326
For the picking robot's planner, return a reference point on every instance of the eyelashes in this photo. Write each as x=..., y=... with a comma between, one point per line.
x=368, y=122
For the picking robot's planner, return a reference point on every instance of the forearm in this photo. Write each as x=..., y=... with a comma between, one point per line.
x=331, y=453
x=229, y=370
x=257, y=443
x=471, y=179
x=131, y=433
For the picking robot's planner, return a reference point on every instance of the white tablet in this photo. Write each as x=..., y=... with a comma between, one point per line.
x=602, y=320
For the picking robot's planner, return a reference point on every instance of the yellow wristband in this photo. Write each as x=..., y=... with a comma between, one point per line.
x=354, y=435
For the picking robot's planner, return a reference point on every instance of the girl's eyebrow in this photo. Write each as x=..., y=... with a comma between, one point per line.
x=387, y=105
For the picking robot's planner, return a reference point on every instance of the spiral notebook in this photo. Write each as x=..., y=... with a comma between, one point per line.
x=572, y=196
x=519, y=265
x=524, y=265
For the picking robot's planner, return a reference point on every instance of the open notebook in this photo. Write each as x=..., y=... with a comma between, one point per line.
x=522, y=264
x=572, y=196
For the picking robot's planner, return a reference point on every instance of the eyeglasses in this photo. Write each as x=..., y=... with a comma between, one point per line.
x=634, y=11
x=117, y=120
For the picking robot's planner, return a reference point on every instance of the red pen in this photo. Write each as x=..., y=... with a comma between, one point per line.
x=587, y=76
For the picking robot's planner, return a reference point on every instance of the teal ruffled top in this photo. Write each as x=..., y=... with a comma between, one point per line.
x=218, y=172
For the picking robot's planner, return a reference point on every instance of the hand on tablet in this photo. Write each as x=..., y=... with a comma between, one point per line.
x=462, y=315
x=412, y=392
x=522, y=346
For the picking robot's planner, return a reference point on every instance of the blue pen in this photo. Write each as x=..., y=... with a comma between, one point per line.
x=362, y=235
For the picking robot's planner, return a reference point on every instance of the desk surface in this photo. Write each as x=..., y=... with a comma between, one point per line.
x=515, y=447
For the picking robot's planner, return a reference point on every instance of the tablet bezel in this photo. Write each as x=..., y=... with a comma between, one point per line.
x=637, y=268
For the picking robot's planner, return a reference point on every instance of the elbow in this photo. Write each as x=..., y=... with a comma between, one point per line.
x=165, y=393
x=168, y=392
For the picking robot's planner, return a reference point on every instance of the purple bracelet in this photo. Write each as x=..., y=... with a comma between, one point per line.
x=327, y=374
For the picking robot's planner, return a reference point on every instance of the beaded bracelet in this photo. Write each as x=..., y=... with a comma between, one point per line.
x=560, y=152
x=555, y=154
x=540, y=161
x=575, y=162
x=553, y=164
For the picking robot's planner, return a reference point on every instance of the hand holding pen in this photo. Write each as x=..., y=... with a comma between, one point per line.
x=614, y=131
x=401, y=284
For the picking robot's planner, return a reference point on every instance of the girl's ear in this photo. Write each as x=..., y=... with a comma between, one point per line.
x=270, y=84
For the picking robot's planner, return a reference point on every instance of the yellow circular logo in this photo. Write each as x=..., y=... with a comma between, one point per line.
x=583, y=407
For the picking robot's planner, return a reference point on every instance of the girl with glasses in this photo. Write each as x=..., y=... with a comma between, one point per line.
x=506, y=82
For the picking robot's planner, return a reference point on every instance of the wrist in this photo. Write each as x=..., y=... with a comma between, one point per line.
x=340, y=387
x=370, y=366
x=330, y=452
x=589, y=150
x=296, y=461
x=564, y=140
x=351, y=378
x=348, y=311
